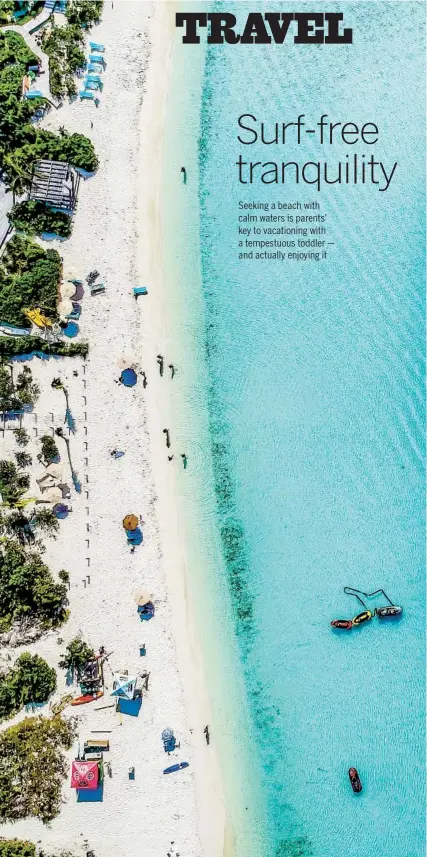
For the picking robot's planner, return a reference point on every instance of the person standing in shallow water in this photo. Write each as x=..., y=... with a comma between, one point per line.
x=161, y=363
x=184, y=460
x=184, y=175
x=172, y=368
x=168, y=440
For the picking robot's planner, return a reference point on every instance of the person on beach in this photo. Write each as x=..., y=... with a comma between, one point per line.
x=168, y=440
x=144, y=379
x=207, y=736
x=170, y=457
x=184, y=175
x=172, y=368
x=184, y=460
x=160, y=361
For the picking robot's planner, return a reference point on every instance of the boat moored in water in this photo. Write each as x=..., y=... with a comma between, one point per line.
x=344, y=624
x=362, y=617
x=387, y=612
x=355, y=780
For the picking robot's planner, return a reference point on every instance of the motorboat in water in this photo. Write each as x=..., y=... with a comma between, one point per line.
x=355, y=780
x=387, y=612
x=344, y=624
x=362, y=617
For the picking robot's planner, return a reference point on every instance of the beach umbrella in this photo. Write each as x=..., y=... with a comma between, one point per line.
x=123, y=685
x=130, y=522
x=60, y=510
x=65, y=307
x=84, y=775
x=129, y=377
x=142, y=597
x=71, y=330
x=68, y=290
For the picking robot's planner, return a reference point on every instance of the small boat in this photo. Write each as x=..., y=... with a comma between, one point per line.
x=87, y=697
x=385, y=612
x=345, y=624
x=173, y=768
x=362, y=617
x=355, y=780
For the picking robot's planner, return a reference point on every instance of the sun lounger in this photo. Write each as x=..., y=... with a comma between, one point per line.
x=93, y=84
x=95, y=47
x=97, y=288
x=85, y=94
x=139, y=290
x=95, y=68
x=96, y=77
x=34, y=93
x=94, y=58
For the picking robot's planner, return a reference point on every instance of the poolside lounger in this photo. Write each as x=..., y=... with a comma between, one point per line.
x=95, y=47
x=139, y=290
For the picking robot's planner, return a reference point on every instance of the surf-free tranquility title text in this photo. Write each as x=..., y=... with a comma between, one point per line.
x=355, y=169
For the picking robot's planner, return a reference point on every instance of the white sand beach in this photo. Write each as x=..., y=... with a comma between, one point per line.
x=117, y=231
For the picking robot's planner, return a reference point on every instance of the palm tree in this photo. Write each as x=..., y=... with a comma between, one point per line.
x=18, y=177
x=60, y=433
x=58, y=385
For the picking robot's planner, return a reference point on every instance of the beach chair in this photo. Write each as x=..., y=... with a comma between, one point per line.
x=95, y=68
x=89, y=96
x=139, y=290
x=95, y=47
x=97, y=288
x=93, y=84
x=34, y=93
x=100, y=60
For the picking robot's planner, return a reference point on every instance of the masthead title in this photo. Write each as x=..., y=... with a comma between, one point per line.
x=303, y=28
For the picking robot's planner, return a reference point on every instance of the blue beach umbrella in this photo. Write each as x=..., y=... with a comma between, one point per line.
x=71, y=330
x=128, y=377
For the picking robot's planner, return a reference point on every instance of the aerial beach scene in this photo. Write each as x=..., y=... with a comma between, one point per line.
x=212, y=611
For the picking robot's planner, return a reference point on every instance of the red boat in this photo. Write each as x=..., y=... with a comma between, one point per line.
x=344, y=624
x=355, y=780
x=87, y=697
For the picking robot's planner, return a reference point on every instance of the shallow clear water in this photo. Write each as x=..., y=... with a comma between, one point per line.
x=316, y=382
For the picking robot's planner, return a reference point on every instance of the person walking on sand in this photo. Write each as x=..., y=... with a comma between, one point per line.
x=144, y=379
x=170, y=457
x=184, y=460
x=207, y=736
x=168, y=440
x=161, y=362
x=172, y=368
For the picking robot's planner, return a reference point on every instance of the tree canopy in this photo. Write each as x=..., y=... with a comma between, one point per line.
x=27, y=589
x=29, y=278
x=32, y=767
x=31, y=679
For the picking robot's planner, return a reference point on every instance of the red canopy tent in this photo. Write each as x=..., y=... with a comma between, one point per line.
x=84, y=775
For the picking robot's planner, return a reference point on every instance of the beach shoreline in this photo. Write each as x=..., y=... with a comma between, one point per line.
x=117, y=230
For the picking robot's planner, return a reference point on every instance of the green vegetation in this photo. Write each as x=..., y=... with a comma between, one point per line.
x=21, y=436
x=23, y=459
x=16, y=848
x=32, y=767
x=77, y=654
x=28, y=590
x=65, y=49
x=31, y=679
x=12, y=345
x=29, y=279
x=18, y=524
x=84, y=12
x=35, y=217
x=13, y=484
x=50, y=450
x=14, y=396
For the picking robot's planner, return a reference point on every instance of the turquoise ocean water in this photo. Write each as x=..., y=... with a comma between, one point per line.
x=314, y=375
